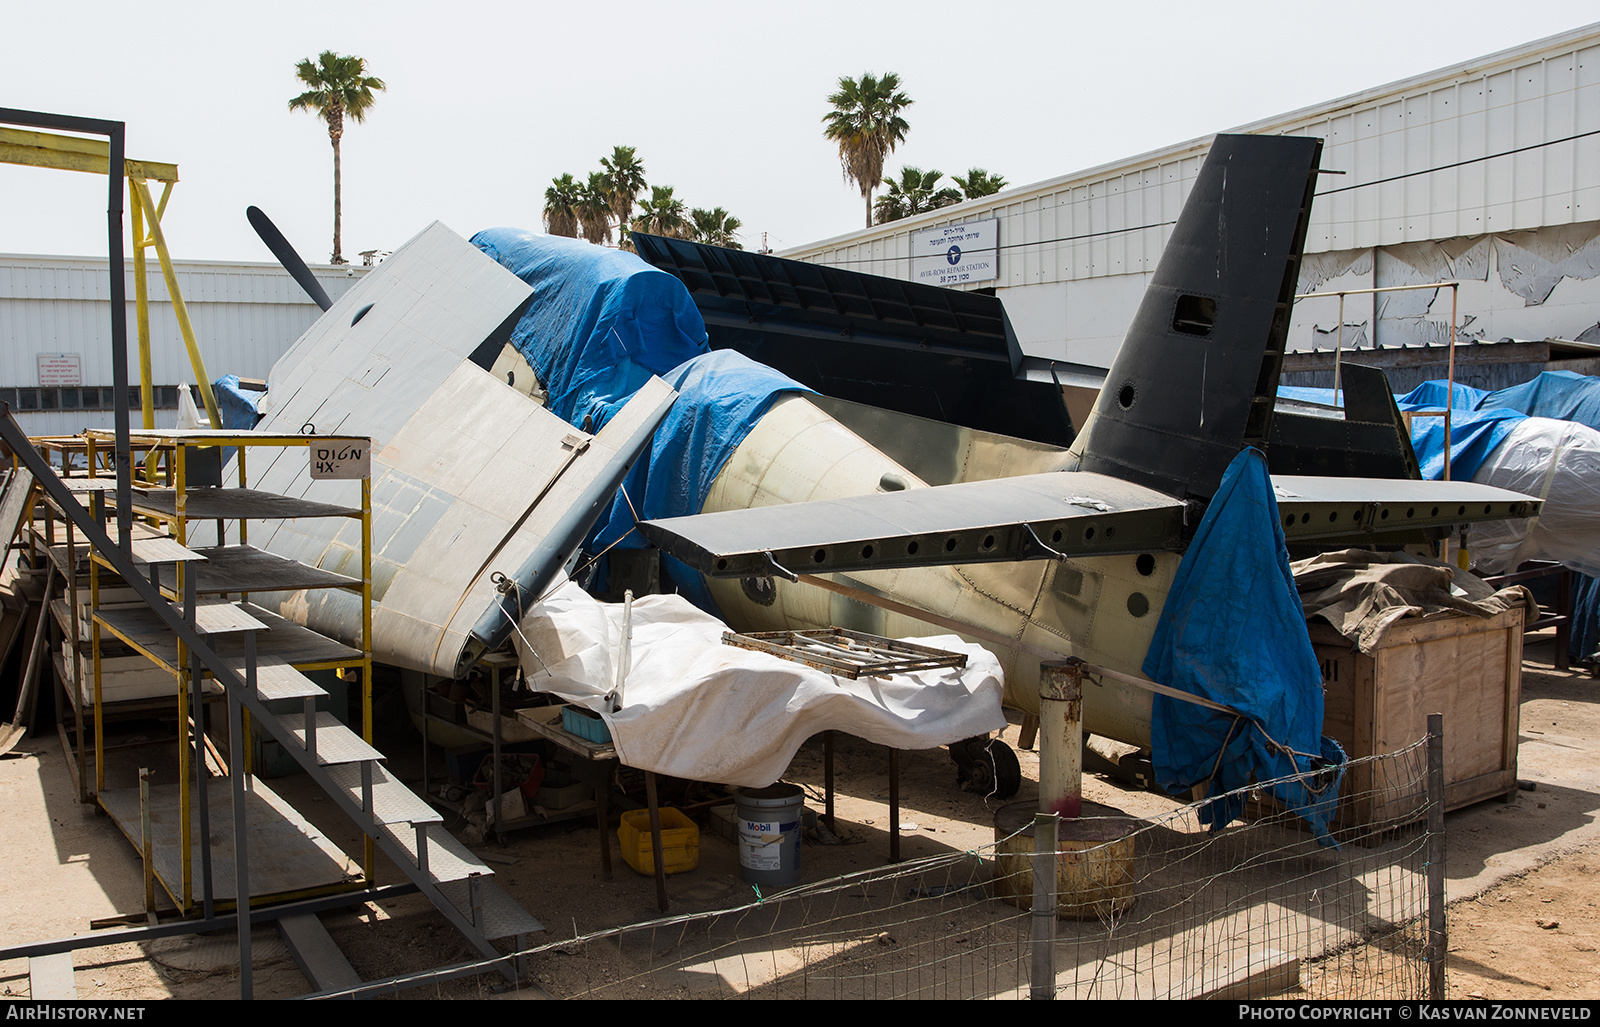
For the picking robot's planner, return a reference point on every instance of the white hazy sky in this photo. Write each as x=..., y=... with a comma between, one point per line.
x=487, y=101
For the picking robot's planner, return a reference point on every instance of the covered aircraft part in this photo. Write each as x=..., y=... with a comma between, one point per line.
x=600, y=322
x=918, y=349
x=1091, y=555
x=1197, y=375
x=473, y=483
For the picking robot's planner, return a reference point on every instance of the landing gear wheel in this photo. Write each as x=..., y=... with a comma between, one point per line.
x=987, y=767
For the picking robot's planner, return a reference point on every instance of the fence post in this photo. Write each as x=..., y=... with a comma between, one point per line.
x=1438, y=939
x=1042, y=978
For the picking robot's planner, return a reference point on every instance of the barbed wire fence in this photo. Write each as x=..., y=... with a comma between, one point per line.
x=1162, y=908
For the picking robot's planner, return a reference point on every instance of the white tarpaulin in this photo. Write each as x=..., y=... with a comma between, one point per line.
x=1559, y=462
x=695, y=708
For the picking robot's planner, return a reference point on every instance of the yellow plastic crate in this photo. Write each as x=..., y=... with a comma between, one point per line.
x=680, y=841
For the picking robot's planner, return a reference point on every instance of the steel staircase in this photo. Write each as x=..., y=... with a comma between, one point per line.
x=400, y=823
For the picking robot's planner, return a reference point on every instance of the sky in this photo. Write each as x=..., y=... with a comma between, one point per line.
x=487, y=101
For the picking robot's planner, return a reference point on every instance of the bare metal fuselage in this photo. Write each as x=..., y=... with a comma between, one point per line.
x=1083, y=607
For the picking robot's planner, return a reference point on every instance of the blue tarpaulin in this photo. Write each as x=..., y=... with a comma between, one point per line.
x=1563, y=395
x=1474, y=434
x=237, y=406
x=601, y=321
x=1480, y=420
x=1430, y=396
x=721, y=396
x=1233, y=631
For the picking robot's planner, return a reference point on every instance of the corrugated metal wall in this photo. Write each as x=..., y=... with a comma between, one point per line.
x=244, y=317
x=1505, y=143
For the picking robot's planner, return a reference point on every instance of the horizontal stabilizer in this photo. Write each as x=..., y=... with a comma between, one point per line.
x=1021, y=518
x=1312, y=507
x=1037, y=516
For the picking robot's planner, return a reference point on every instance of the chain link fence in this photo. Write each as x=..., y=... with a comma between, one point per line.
x=1162, y=908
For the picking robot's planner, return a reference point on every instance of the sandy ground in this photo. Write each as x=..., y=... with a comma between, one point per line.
x=1521, y=874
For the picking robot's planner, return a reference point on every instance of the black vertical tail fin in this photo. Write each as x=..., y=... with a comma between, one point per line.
x=1196, y=377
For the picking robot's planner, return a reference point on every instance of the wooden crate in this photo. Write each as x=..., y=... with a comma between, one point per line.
x=1467, y=668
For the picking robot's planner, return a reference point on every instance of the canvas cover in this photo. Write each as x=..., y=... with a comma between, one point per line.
x=695, y=708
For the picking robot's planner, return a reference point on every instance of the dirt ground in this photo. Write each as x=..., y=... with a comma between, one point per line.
x=1521, y=874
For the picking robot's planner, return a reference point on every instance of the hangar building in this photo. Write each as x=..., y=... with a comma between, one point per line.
x=1487, y=173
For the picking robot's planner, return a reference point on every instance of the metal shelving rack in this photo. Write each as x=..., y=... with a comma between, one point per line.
x=210, y=573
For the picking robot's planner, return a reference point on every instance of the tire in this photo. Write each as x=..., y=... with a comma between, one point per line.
x=994, y=771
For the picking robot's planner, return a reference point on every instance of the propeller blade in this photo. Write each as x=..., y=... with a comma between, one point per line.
x=287, y=256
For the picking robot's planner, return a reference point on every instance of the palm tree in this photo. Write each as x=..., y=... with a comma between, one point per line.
x=979, y=182
x=594, y=209
x=625, y=173
x=561, y=206
x=915, y=192
x=339, y=87
x=866, y=123
x=663, y=214
x=715, y=227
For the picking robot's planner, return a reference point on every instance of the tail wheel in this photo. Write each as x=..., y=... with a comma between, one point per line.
x=991, y=768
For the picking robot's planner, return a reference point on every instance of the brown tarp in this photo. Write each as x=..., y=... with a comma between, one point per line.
x=1361, y=592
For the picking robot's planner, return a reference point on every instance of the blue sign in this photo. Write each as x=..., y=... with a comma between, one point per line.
x=953, y=255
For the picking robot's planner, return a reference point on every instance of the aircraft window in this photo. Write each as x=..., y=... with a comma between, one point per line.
x=1194, y=315
x=1145, y=565
x=1125, y=397
x=1138, y=604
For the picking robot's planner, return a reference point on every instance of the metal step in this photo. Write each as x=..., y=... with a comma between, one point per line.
x=499, y=914
x=318, y=957
x=162, y=550
x=392, y=801
x=335, y=742
x=448, y=859
x=50, y=977
x=276, y=679
x=219, y=617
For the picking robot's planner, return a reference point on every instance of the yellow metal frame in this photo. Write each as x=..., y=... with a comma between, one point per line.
x=173, y=446
x=76, y=153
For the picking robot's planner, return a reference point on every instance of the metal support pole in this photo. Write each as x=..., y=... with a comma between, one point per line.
x=894, y=805
x=1438, y=935
x=657, y=855
x=198, y=715
x=1061, y=738
x=1338, y=351
x=1042, y=976
x=827, y=779
x=1455, y=298
x=146, y=845
x=241, y=845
